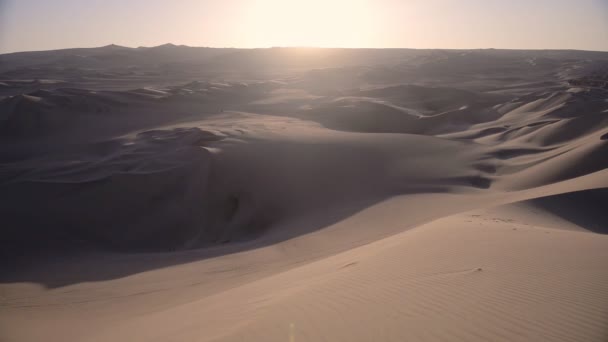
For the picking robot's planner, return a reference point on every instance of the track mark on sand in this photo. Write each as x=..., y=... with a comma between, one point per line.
x=350, y=264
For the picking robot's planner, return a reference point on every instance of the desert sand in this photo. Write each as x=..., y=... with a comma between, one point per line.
x=289, y=194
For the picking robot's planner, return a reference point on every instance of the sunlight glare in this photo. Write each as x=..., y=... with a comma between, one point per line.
x=319, y=23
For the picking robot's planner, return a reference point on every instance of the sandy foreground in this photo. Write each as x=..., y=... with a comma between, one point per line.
x=309, y=202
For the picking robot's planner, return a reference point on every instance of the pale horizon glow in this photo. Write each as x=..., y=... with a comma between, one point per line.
x=27, y=25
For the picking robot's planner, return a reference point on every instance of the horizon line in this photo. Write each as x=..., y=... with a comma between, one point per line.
x=294, y=47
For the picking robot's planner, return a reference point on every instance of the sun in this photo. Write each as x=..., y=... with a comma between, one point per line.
x=318, y=23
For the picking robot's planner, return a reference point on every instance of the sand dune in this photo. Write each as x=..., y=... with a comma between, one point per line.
x=303, y=195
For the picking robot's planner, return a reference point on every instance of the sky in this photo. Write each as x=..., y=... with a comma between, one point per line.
x=27, y=25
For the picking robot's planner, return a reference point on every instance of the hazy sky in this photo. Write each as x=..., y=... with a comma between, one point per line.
x=535, y=24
